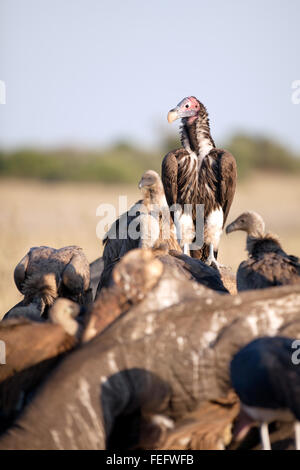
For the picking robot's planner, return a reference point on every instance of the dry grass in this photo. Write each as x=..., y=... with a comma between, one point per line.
x=60, y=214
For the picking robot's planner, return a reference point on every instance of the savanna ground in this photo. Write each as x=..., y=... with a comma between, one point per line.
x=59, y=214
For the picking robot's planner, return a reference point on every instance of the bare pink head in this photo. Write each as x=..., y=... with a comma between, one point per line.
x=188, y=108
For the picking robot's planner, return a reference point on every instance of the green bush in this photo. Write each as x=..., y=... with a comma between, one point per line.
x=261, y=153
x=125, y=163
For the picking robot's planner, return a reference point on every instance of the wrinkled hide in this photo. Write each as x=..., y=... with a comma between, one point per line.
x=166, y=362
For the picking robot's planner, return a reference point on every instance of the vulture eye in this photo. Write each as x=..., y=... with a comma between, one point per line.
x=187, y=105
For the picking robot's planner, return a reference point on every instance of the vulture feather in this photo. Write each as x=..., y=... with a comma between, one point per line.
x=267, y=381
x=147, y=223
x=267, y=265
x=190, y=269
x=198, y=173
x=96, y=269
x=47, y=273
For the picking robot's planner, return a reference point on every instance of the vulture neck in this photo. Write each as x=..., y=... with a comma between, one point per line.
x=196, y=137
x=254, y=234
x=154, y=197
x=250, y=244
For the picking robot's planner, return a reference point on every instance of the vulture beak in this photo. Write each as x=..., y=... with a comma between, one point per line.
x=230, y=228
x=141, y=184
x=173, y=115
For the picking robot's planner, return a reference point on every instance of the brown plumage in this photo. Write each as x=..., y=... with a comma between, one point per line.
x=268, y=265
x=199, y=173
x=156, y=225
x=147, y=223
x=47, y=273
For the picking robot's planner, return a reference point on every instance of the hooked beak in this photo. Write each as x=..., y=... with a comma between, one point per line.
x=173, y=115
x=141, y=184
x=230, y=228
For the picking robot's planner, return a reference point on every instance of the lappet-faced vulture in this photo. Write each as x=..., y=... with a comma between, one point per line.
x=267, y=265
x=199, y=173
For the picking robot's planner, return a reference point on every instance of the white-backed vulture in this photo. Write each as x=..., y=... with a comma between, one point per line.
x=267, y=265
x=96, y=268
x=266, y=378
x=47, y=273
x=199, y=173
x=146, y=224
x=156, y=225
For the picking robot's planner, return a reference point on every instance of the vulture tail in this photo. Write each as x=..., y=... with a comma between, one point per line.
x=43, y=286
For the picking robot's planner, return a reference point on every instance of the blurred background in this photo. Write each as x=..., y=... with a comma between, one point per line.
x=88, y=87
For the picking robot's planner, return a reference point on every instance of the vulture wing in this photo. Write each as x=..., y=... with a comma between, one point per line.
x=169, y=173
x=228, y=173
x=269, y=270
x=196, y=270
x=117, y=242
x=32, y=350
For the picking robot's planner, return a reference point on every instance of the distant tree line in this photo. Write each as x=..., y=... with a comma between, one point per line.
x=124, y=162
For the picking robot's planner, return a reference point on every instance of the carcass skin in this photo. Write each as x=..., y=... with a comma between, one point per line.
x=165, y=362
x=32, y=349
x=153, y=282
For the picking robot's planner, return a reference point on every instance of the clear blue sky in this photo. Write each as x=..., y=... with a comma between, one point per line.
x=88, y=72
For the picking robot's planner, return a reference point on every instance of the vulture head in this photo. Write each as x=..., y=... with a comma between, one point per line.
x=152, y=189
x=188, y=109
x=249, y=222
x=64, y=312
x=150, y=180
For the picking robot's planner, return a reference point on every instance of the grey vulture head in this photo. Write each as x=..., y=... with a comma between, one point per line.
x=250, y=222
